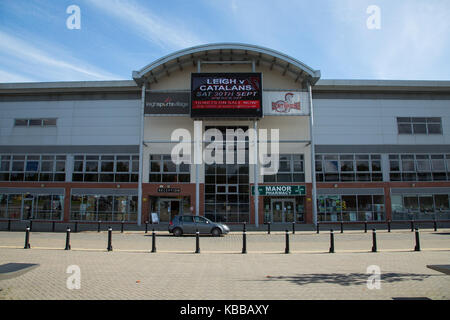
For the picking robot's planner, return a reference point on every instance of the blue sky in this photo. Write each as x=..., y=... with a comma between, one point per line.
x=118, y=36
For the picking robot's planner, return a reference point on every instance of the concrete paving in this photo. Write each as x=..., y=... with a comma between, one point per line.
x=220, y=271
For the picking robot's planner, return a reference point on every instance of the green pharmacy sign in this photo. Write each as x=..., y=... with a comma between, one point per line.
x=280, y=190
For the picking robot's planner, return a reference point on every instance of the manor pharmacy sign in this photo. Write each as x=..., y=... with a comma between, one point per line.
x=280, y=190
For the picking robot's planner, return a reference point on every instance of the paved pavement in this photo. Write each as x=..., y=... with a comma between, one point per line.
x=221, y=272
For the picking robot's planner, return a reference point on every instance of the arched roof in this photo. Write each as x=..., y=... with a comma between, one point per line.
x=287, y=65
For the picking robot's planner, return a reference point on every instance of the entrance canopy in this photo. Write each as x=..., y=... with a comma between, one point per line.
x=226, y=53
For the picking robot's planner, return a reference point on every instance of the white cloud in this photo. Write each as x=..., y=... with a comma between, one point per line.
x=13, y=77
x=171, y=34
x=48, y=62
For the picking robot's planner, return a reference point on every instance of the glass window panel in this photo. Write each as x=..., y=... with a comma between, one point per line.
x=376, y=165
x=363, y=176
x=347, y=166
x=49, y=122
x=409, y=177
x=92, y=157
x=46, y=166
x=299, y=177
x=404, y=119
x=318, y=166
x=434, y=128
x=331, y=166
x=424, y=176
x=91, y=177
x=91, y=166
x=439, y=176
x=419, y=120
x=155, y=157
x=35, y=122
x=107, y=166
x=60, y=166
x=362, y=166
x=404, y=128
x=107, y=178
x=78, y=166
x=284, y=177
x=123, y=166
x=59, y=177
x=4, y=166
x=347, y=177
x=111, y=158
x=411, y=203
x=185, y=178
x=377, y=177
x=419, y=128
x=155, y=178
x=17, y=166
x=441, y=202
x=331, y=177
x=169, y=178
x=21, y=122
x=408, y=165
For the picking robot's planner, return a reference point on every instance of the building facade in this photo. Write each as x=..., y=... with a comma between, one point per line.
x=349, y=150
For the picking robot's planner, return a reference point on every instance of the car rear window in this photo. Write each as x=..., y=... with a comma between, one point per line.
x=186, y=219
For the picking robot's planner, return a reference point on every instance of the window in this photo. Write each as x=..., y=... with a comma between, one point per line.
x=163, y=169
x=291, y=169
x=418, y=167
x=414, y=125
x=35, y=206
x=47, y=122
x=103, y=207
x=348, y=167
x=106, y=168
x=32, y=167
x=420, y=207
x=350, y=207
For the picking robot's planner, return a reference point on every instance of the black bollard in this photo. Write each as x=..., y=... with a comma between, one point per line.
x=374, y=240
x=27, y=238
x=153, y=241
x=121, y=227
x=412, y=225
x=9, y=225
x=268, y=228
x=417, y=247
x=318, y=228
x=197, y=242
x=67, y=239
x=342, y=227
x=365, y=227
x=53, y=226
x=110, y=248
x=244, y=242
x=98, y=227
x=146, y=226
x=286, y=250
x=244, y=228
x=331, y=241
x=293, y=227
x=435, y=225
x=76, y=227
x=389, y=225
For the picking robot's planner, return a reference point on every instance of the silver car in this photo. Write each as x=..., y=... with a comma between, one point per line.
x=190, y=224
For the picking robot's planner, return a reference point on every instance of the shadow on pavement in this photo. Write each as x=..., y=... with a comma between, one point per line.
x=347, y=279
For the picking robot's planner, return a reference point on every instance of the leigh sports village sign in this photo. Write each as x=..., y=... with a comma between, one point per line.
x=280, y=190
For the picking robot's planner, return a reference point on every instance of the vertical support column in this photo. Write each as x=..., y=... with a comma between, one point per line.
x=313, y=156
x=256, y=175
x=141, y=155
x=198, y=140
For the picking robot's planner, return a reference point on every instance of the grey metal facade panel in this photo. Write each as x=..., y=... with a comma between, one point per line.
x=382, y=148
x=431, y=190
x=350, y=191
x=381, y=95
x=35, y=191
x=104, y=191
x=70, y=149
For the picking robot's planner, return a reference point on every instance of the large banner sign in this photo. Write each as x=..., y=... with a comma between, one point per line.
x=286, y=103
x=226, y=95
x=166, y=103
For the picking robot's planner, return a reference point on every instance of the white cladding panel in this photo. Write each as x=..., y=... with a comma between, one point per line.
x=364, y=121
x=82, y=122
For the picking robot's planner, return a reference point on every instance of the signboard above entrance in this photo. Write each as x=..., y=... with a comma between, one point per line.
x=280, y=190
x=226, y=95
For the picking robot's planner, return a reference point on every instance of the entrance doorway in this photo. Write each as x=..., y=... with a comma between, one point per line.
x=169, y=208
x=283, y=211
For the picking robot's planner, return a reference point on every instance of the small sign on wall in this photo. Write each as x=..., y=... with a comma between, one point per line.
x=285, y=103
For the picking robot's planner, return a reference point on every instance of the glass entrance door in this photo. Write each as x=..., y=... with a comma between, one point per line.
x=28, y=207
x=168, y=209
x=283, y=211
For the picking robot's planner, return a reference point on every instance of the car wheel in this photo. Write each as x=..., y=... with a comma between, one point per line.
x=216, y=232
x=177, y=232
